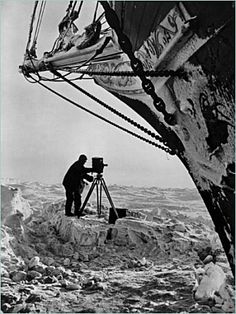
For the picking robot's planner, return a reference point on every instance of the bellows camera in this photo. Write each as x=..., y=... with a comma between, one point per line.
x=97, y=164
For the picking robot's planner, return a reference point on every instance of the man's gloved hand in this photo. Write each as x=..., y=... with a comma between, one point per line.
x=89, y=178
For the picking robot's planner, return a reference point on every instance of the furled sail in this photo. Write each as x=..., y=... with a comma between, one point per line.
x=73, y=48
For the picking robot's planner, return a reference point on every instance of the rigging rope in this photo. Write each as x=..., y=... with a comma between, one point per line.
x=31, y=25
x=80, y=7
x=136, y=64
x=95, y=12
x=100, y=17
x=40, y=17
x=69, y=6
x=102, y=118
x=74, y=6
x=36, y=33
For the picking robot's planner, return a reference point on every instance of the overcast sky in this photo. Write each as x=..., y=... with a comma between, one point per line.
x=41, y=134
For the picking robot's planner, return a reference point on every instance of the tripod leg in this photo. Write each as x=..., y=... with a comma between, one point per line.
x=108, y=196
x=88, y=195
x=100, y=201
x=98, y=198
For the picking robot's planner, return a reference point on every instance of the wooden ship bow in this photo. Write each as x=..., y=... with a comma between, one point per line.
x=190, y=104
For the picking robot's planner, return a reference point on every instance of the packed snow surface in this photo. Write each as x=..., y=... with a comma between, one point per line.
x=164, y=256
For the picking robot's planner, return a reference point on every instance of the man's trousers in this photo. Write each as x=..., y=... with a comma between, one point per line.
x=72, y=196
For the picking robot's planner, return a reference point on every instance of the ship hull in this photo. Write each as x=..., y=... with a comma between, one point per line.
x=202, y=45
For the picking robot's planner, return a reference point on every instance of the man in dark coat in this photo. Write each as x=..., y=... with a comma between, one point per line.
x=74, y=184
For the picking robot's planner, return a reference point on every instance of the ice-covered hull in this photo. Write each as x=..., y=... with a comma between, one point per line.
x=199, y=39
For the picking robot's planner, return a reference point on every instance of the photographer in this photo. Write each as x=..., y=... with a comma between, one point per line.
x=74, y=184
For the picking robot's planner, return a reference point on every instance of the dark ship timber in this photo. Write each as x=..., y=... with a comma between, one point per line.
x=184, y=86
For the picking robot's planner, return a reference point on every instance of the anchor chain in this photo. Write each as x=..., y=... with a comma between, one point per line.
x=136, y=64
x=151, y=73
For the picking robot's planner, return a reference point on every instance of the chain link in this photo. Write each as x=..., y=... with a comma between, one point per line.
x=136, y=64
x=151, y=73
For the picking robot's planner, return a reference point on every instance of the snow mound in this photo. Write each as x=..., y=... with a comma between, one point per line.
x=38, y=239
x=13, y=203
